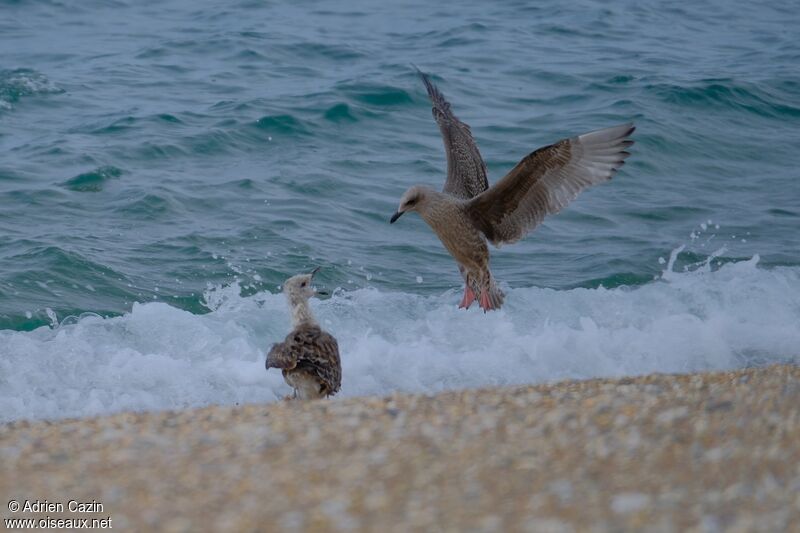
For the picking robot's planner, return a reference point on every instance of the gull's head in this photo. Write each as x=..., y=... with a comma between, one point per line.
x=299, y=287
x=413, y=199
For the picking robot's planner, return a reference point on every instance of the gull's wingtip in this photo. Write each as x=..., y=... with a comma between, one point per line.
x=631, y=128
x=426, y=79
x=624, y=129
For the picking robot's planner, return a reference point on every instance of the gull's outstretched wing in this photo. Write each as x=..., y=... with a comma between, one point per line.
x=546, y=180
x=466, y=171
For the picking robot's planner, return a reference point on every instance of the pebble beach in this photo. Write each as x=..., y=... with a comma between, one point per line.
x=696, y=452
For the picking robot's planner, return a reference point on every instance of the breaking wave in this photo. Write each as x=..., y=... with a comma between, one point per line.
x=160, y=357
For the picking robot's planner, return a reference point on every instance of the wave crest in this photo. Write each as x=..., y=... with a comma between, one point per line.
x=161, y=357
x=22, y=82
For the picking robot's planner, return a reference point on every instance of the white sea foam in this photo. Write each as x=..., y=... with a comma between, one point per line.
x=159, y=357
x=23, y=82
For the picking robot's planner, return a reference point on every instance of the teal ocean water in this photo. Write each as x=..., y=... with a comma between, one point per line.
x=164, y=166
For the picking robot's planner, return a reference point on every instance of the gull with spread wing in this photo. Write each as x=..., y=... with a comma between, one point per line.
x=468, y=213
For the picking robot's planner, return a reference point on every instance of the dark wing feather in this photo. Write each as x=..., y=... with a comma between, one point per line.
x=281, y=356
x=466, y=171
x=546, y=180
x=317, y=353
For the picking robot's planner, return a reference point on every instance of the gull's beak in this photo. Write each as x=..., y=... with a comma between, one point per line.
x=322, y=293
x=395, y=217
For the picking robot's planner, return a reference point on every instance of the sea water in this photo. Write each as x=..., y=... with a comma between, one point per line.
x=164, y=166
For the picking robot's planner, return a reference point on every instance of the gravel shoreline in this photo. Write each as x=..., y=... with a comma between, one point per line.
x=703, y=452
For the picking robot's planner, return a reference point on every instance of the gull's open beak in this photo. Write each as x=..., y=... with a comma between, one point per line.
x=395, y=217
x=322, y=293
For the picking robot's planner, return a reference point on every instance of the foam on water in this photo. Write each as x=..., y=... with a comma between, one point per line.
x=160, y=357
x=19, y=83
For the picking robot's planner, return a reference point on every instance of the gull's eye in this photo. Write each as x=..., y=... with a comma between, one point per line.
x=303, y=284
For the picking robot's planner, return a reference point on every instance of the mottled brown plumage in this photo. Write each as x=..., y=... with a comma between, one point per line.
x=308, y=357
x=464, y=216
x=546, y=180
x=466, y=171
x=308, y=351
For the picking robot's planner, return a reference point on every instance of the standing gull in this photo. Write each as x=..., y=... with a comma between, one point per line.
x=308, y=356
x=468, y=212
